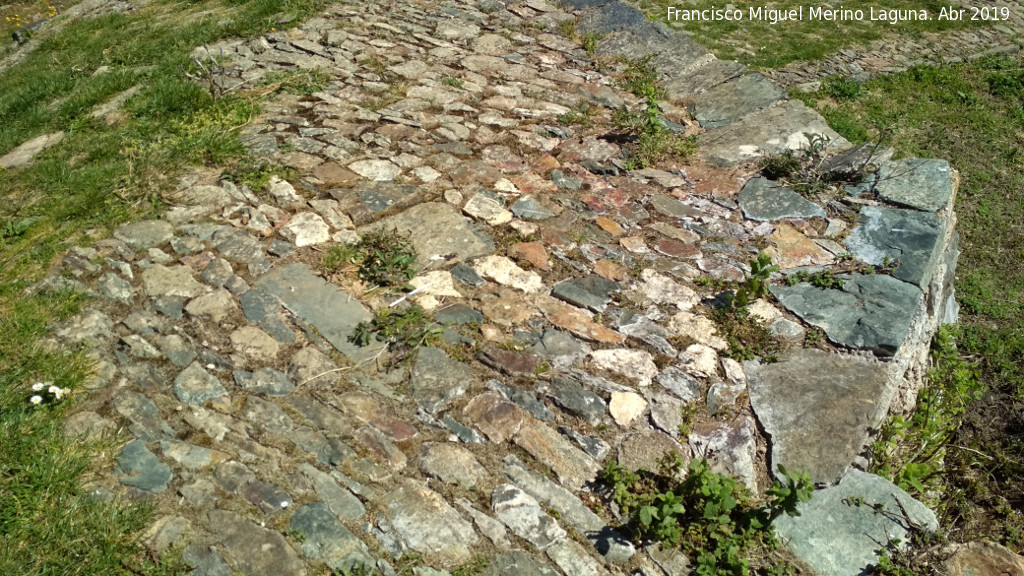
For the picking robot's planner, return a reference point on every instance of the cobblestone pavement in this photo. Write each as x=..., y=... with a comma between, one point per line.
x=575, y=331
x=896, y=53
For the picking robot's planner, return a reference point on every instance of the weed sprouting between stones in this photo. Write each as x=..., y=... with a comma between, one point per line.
x=383, y=258
x=711, y=516
x=652, y=140
x=408, y=328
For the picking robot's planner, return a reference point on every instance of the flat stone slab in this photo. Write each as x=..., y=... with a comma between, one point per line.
x=140, y=468
x=728, y=102
x=870, y=311
x=911, y=237
x=253, y=549
x=327, y=540
x=839, y=531
x=818, y=407
x=437, y=380
x=321, y=304
x=767, y=201
x=437, y=229
x=770, y=131
x=429, y=525
x=916, y=183
x=25, y=154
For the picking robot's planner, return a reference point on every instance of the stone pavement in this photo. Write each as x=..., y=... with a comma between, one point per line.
x=575, y=328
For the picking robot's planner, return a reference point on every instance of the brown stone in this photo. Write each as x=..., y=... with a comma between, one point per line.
x=532, y=184
x=716, y=182
x=300, y=160
x=334, y=175
x=555, y=238
x=508, y=311
x=508, y=362
x=677, y=249
x=681, y=234
x=532, y=252
x=578, y=322
x=984, y=559
x=610, y=226
x=496, y=417
x=545, y=164
x=634, y=244
x=378, y=444
x=475, y=173
x=570, y=464
x=791, y=249
x=609, y=270
x=367, y=409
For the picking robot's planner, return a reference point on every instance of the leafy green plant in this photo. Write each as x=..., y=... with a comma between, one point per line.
x=12, y=228
x=841, y=88
x=755, y=284
x=825, y=279
x=453, y=82
x=409, y=328
x=589, y=42
x=382, y=258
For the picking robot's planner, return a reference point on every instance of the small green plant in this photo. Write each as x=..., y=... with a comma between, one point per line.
x=567, y=28
x=383, y=258
x=11, y=228
x=641, y=78
x=404, y=329
x=358, y=569
x=755, y=284
x=453, y=82
x=825, y=279
x=814, y=338
x=841, y=88
x=474, y=567
x=581, y=115
x=589, y=42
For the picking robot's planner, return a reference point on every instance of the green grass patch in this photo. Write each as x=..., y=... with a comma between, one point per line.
x=760, y=44
x=964, y=444
x=100, y=175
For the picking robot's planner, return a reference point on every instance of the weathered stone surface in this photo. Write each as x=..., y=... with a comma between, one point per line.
x=636, y=365
x=577, y=400
x=916, y=183
x=730, y=101
x=592, y=292
x=436, y=229
x=306, y=229
x=489, y=207
x=140, y=468
x=24, y=154
x=835, y=535
x=429, y=525
x=870, y=311
x=194, y=385
x=770, y=131
x=818, y=407
x=326, y=540
x=251, y=343
x=731, y=448
x=578, y=322
x=913, y=238
x=572, y=467
x=574, y=560
x=983, y=559
x=377, y=170
x=517, y=563
x=529, y=208
x=215, y=306
x=767, y=201
x=505, y=272
x=451, y=464
x=645, y=449
x=496, y=417
x=253, y=549
x=323, y=305
x=145, y=234
x=660, y=289
x=625, y=407
x=792, y=249
x=170, y=281
x=524, y=516
x=437, y=380
x=338, y=500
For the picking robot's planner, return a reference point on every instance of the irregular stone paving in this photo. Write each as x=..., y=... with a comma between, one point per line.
x=896, y=53
x=574, y=330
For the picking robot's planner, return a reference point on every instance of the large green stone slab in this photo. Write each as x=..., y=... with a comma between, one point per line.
x=913, y=238
x=916, y=183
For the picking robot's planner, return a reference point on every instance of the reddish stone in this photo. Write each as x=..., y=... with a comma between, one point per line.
x=508, y=362
x=610, y=271
x=594, y=202
x=716, y=182
x=496, y=417
x=721, y=270
x=532, y=252
x=791, y=249
x=610, y=226
x=368, y=410
x=475, y=173
x=576, y=151
x=578, y=322
x=530, y=183
x=555, y=238
x=677, y=249
x=616, y=197
x=378, y=444
x=633, y=213
x=507, y=311
x=545, y=164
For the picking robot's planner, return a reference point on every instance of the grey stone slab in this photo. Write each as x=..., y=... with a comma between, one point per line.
x=523, y=515
x=577, y=400
x=437, y=380
x=872, y=311
x=428, y=524
x=687, y=82
x=517, y=563
x=329, y=309
x=593, y=292
x=764, y=200
x=818, y=408
x=194, y=385
x=770, y=131
x=916, y=183
x=728, y=102
x=327, y=540
x=264, y=381
x=339, y=500
x=437, y=229
x=913, y=238
x=839, y=531
x=140, y=468
x=254, y=549
x=613, y=17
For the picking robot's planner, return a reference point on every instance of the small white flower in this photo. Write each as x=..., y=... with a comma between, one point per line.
x=59, y=394
x=285, y=504
x=36, y=400
x=53, y=389
x=38, y=386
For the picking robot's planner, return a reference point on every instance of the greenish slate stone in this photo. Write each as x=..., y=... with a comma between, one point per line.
x=870, y=311
x=437, y=380
x=145, y=234
x=252, y=548
x=139, y=468
x=458, y=314
x=264, y=381
x=530, y=209
x=669, y=206
x=321, y=304
x=194, y=385
x=258, y=304
x=916, y=183
x=839, y=532
x=766, y=201
x=817, y=408
x=912, y=237
x=517, y=563
x=728, y=102
x=591, y=292
x=467, y=275
x=577, y=400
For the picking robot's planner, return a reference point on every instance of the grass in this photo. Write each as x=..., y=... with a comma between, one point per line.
x=97, y=177
x=964, y=445
x=760, y=44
